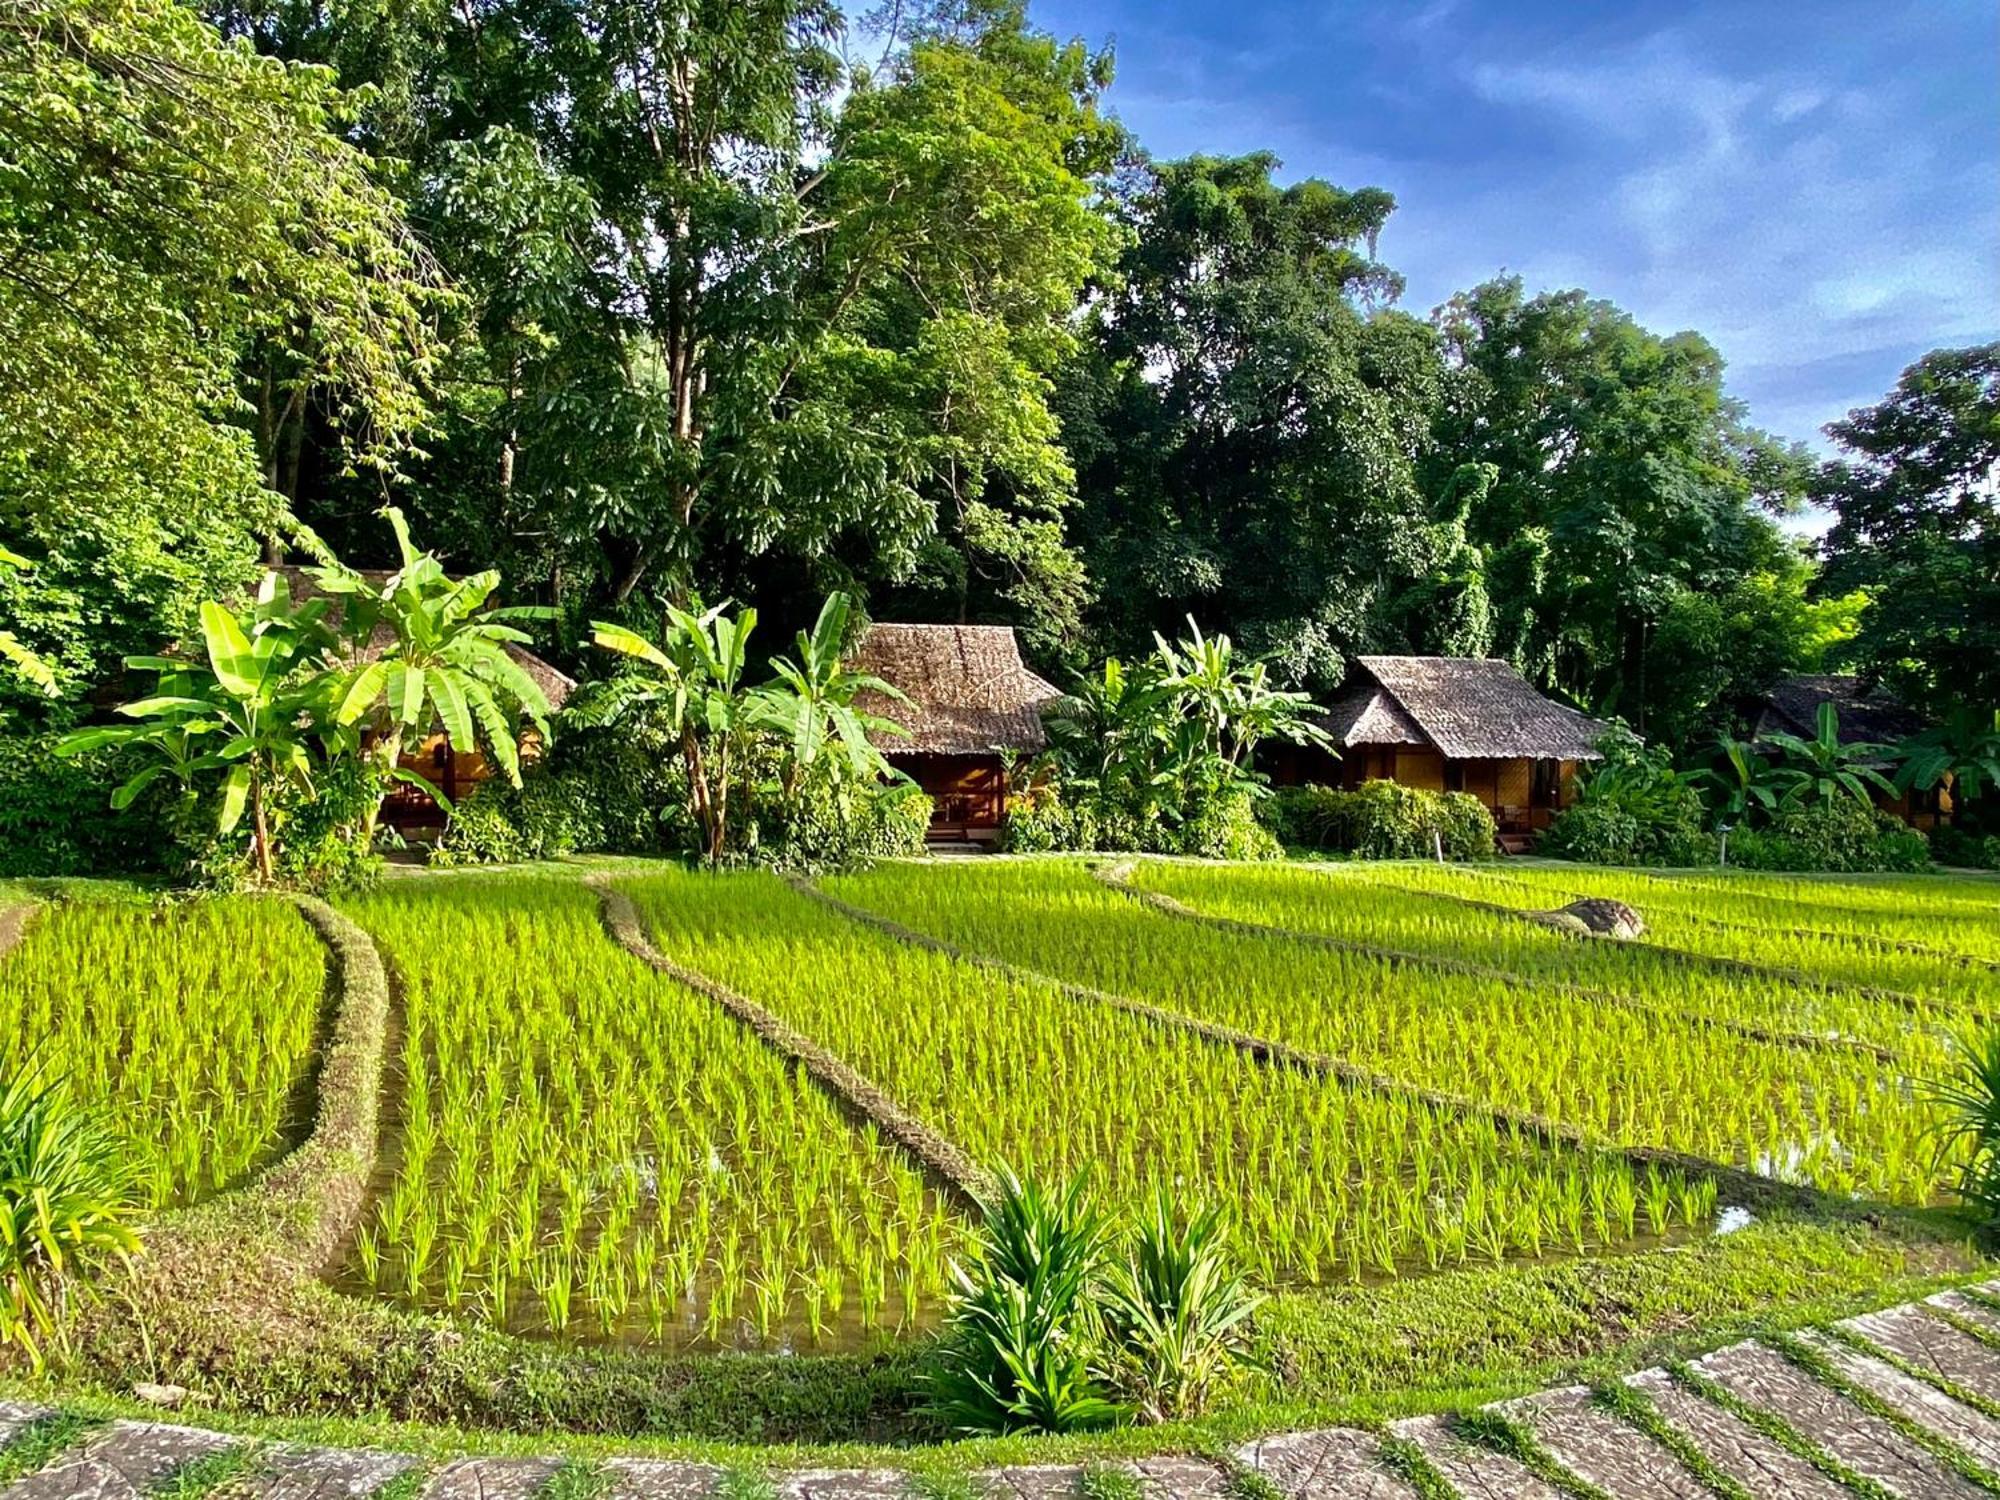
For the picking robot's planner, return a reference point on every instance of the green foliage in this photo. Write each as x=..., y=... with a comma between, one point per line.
x=1917, y=524
x=1623, y=482
x=1157, y=757
x=244, y=712
x=1632, y=808
x=55, y=819
x=1176, y=1313
x=31, y=667
x=136, y=286
x=67, y=1200
x=1838, y=836
x=1955, y=846
x=1381, y=820
x=1246, y=418
x=1969, y=1098
x=830, y=821
x=1823, y=770
x=1024, y=1317
x=428, y=654
x=1715, y=654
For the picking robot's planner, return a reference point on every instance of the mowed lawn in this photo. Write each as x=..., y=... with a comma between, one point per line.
x=1465, y=1107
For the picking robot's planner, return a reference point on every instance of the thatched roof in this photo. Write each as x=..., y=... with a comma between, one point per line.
x=1468, y=708
x=1867, y=716
x=556, y=686
x=969, y=692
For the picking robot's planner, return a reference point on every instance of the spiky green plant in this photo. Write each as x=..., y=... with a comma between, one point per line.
x=1970, y=1099
x=1024, y=1317
x=68, y=1197
x=1176, y=1312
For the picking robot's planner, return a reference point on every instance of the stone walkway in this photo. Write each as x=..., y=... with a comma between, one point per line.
x=1903, y=1402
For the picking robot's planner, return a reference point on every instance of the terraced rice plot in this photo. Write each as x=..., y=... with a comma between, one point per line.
x=1919, y=935
x=1842, y=1119
x=191, y=1027
x=1322, y=1182
x=580, y=1147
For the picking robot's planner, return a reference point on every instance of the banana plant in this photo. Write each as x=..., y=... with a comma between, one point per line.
x=695, y=677
x=246, y=710
x=1743, y=780
x=1824, y=770
x=31, y=667
x=811, y=701
x=426, y=653
x=1962, y=753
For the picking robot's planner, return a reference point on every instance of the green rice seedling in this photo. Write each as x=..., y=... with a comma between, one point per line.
x=1313, y=1177
x=604, y=1146
x=1842, y=1119
x=1375, y=905
x=190, y=1026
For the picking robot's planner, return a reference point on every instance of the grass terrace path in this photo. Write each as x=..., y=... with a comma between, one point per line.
x=1902, y=1403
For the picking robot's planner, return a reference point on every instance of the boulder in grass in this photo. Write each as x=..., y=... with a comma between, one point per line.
x=1595, y=916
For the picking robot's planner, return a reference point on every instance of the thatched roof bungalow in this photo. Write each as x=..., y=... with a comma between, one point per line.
x=973, y=705
x=1456, y=723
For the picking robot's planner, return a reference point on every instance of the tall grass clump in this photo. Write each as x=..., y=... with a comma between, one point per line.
x=1060, y=1322
x=68, y=1197
x=1969, y=1096
x=189, y=1027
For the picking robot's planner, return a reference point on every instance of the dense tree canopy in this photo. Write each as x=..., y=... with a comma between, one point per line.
x=1917, y=525
x=647, y=304
x=168, y=204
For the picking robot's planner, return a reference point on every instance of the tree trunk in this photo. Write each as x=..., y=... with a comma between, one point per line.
x=260, y=829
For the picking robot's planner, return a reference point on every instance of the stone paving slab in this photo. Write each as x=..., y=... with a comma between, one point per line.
x=1476, y=1472
x=1180, y=1478
x=658, y=1479
x=1032, y=1482
x=299, y=1473
x=1594, y=1445
x=1962, y=1307
x=845, y=1484
x=490, y=1479
x=1733, y=1445
x=16, y=1417
x=1930, y=1344
x=1337, y=1461
x=121, y=1461
x=1865, y=1443
x=1974, y=1431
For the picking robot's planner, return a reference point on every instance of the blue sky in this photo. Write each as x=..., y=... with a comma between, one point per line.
x=1813, y=184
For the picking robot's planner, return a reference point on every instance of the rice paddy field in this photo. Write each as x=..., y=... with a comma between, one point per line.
x=578, y=1148
x=190, y=1027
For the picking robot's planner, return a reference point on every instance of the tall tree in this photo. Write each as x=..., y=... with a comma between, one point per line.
x=1247, y=422
x=1916, y=504
x=171, y=200
x=735, y=304
x=1622, y=480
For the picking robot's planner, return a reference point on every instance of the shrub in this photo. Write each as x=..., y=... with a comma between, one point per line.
x=1633, y=809
x=67, y=1199
x=1041, y=821
x=595, y=791
x=1176, y=1314
x=1839, y=837
x=1223, y=827
x=1024, y=1319
x=1381, y=820
x=1970, y=1103
x=1972, y=851
x=56, y=816
x=831, y=820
